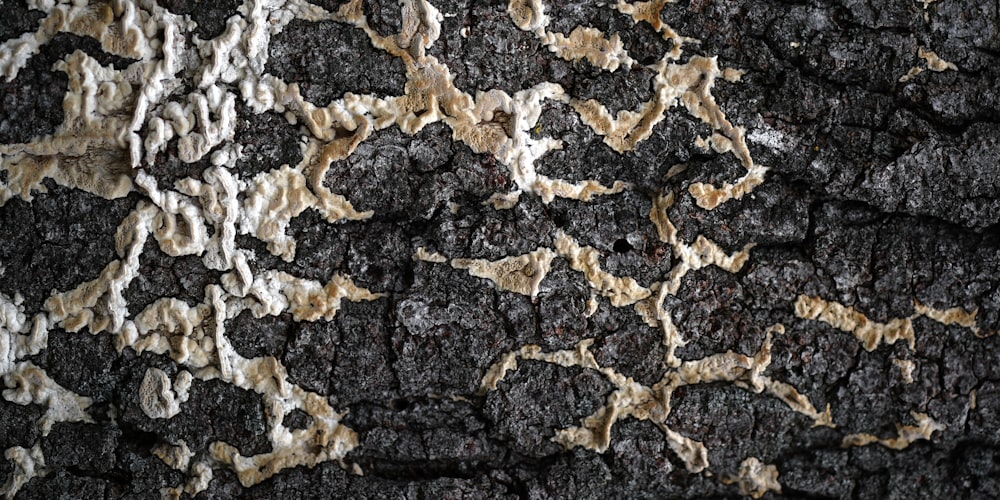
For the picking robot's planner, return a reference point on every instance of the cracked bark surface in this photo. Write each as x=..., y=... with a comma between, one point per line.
x=882, y=198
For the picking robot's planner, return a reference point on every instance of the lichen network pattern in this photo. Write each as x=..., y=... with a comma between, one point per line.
x=116, y=121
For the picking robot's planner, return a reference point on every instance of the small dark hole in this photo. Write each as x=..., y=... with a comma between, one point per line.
x=560, y=219
x=399, y=404
x=622, y=246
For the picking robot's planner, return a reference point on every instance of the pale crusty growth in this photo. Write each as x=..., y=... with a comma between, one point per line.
x=620, y=291
x=907, y=434
x=632, y=399
x=176, y=456
x=503, y=201
x=870, y=333
x=422, y=254
x=952, y=316
x=83, y=153
x=703, y=252
x=789, y=395
x=275, y=199
x=650, y=12
x=906, y=368
x=179, y=457
x=19, y=337
x=756, y=478
x=520, y=274
x=590, y=44
x=158, y=397
x=194, y=337
x=117, y=25
x=582, y=43
x=170, y=326
x=29, y=384
x=99, y=304
x=213, y=357
x=935, y=63
x=99, y=143
x=179, y=225
x=932, y=61
x=275, y=292
x=733, y=75
x=28, y=463
x=689, y=84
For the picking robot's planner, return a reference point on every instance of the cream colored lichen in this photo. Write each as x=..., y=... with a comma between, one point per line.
x=117, y=122
x=932, y=62
x=951, y=316
x=176, y=456
x=28, y=384
x=651, y=12
x=906, y=368
x=520, y=274
x=193, y=336
x=907, y=434
x=756, y=478
x=422, y=254
x=20, y=336
x=870, y=333
x=161, y=398
x=28, y=463
x=621, y=291
x=653, y=403
x=691, y=257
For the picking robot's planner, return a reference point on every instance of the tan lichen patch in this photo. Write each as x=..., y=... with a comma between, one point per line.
x=19, y=336
x=84, y=152
x=733, y=75
x=161, y=398
x=931, y=60
x=520, y=274
x=590, y=44
x=703, y=252
x=692, y=257
x=503, y=201
x=29, y=384
x=325, y=439
x=907, y=434
x=632, y=399
x=583, y=43
x=28, y=463
x=99, y=142
x=650, y=12
x=194, y=337
x=756, y=478
x=621, y=291
x=871, y=333
x=935, y=63
x=424, y=255
x=952, y=316
x=906, y=368
x=689, y=84
x=307, y=301
x=176, y=456
x=623, y=131
x=274, y=200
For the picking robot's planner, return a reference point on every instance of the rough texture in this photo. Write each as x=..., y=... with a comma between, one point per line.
x=470, y=249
